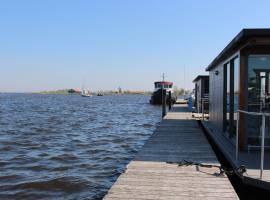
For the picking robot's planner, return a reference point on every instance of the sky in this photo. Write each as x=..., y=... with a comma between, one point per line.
x=106, y=44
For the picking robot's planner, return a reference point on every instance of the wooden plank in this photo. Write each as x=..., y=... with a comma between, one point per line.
x=149, y=176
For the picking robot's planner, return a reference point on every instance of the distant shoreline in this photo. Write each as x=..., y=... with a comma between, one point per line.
x=66, y=92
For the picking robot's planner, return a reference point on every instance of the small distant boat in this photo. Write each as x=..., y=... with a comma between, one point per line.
x=74, y=91
x=100, y=93
x=85, y=93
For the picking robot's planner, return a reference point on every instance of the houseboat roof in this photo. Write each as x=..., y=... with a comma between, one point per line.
x=200, y=77
x=239, y=40
x=164, y=82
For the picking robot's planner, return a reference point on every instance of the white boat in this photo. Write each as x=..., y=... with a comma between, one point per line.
x=85, y=93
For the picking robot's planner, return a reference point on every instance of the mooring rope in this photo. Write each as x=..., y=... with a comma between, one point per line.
x=229, y=171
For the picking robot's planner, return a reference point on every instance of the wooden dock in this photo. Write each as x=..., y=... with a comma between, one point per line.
x=154, y=175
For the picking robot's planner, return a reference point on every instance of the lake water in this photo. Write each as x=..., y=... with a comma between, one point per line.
x=67, y=146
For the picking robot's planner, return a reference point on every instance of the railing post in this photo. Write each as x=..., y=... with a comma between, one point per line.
x=164, y=102
x=202, y=109
x=237, y=138
x=198, y=106
x=262, y=145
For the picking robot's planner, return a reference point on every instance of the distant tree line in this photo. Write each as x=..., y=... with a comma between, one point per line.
x=180, y=91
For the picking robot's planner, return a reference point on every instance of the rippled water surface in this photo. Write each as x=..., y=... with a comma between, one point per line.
x=67, y=146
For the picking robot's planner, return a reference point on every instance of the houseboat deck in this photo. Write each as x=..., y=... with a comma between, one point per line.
x=251, y=159
x=155, y=174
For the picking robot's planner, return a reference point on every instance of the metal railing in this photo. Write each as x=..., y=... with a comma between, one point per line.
x=203, y=101
x=263, y=114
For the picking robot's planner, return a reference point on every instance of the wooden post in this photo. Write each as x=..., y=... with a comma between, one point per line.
x=170, y=100
x=163, y=103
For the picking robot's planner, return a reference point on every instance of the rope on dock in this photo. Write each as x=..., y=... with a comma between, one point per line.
x=229, y=171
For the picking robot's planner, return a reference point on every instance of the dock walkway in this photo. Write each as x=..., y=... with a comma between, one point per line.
x=154, y=175
x=251, y=160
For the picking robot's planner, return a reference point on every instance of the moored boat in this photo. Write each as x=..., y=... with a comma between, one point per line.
x=100, y=93
x=156, y=98
x=85, y=93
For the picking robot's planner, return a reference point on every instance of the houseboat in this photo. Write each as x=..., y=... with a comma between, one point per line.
x=156, y=98
x=239, y=99
x=201, y=96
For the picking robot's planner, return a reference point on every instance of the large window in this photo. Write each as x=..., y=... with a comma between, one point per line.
x=231, y=94
x=227, y=98
x=258, y=96
x=206, y=86
x=258, y=82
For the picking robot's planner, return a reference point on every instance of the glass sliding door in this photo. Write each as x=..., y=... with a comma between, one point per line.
x=231, y=96
x=228, y=95
x=258, y=97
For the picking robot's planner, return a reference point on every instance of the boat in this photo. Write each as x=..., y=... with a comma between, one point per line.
x=74, y=91
x=100, y=93
x=156, y=98
x=85, y=93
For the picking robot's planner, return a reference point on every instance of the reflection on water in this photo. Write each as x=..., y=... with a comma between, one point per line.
x=69, y=147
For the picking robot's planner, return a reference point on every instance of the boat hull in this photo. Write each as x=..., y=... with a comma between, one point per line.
x=156, y=98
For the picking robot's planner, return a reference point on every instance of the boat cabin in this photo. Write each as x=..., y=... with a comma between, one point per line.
x=240, y=86
x=201, y=92
x=156, y=98
x=163, y=84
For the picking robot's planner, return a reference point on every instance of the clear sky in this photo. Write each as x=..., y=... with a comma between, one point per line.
x=104, y=44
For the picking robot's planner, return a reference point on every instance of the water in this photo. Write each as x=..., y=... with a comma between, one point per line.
x=69, y=147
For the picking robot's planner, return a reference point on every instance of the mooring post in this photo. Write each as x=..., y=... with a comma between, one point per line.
x=170, y=100
x=164, y=102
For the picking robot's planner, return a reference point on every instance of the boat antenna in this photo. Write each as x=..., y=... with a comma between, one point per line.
x=184, y=80
x=163, y=77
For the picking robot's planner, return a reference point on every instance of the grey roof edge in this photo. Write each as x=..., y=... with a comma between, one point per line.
x=240, y=38
x=199, y=77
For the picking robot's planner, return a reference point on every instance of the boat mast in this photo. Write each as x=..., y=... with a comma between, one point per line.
x=163, y=77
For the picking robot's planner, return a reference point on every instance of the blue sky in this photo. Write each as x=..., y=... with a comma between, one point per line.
x=104, y=44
